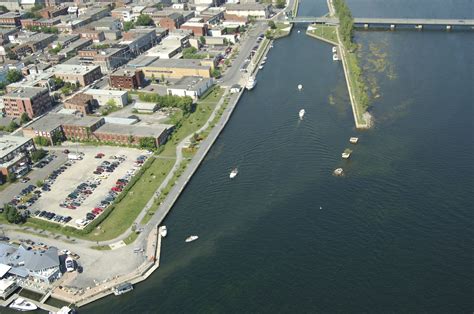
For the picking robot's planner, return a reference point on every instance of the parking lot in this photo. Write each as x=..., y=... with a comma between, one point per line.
x=76, y=190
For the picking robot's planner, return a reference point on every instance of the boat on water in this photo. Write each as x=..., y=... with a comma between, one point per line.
x=334, y=49
x=338, y=172
x=163, y=231
x=233, y=173
x=300, y=87
x=251, y=83
x=191, y=238
x=122, y=288
x=301, y=114
x=23, y=305
x=260, y=67
x=335, y=57
x=263, y=62
x=354, y=140
x=64, y=310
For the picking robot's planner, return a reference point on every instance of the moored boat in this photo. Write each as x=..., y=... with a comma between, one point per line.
x=251, y=83
x=354, y=140
x=335, y=57
x=191, y=238
x=123, y=288
x=163, y=231
x=338, y=172
x=23, y=305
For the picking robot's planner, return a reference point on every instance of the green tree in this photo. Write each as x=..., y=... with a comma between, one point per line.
x=42, y=141
x=14, y=76
x=12, y=126
x=143, y=20
x=24, y=118
x=38, y=154
x=147, y=143
x=12, y=214
x=4, y=9
x=39, y=183
x=268, y=34
x=280, y=4
x=128, y=26
x=202, y=39
x=216, y=73
x=272, y=25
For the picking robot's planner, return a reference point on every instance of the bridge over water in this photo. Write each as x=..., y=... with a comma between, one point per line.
x=388, y=22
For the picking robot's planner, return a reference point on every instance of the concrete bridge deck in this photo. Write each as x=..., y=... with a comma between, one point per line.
x=385, y=21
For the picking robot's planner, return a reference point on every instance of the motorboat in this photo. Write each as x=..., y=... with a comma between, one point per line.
x=23, y=305
x=354, y=140
x=300, y=87
x=123, y=288
x=338, y=172
x=263, y=62
x=335, y=57
x=163, y=231
x=64, y=310
x=260, y=67
x=251, y=83
x=191, y=238
x=233, y=173
x=301, y=114
x=334, y=49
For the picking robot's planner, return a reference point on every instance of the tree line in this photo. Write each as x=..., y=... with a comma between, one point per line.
x=346, y=23
x=183, y=103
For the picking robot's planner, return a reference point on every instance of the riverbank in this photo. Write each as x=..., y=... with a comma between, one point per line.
x=326, y=33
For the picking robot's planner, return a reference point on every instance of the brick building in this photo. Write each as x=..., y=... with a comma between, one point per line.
x=34, y=101
x=198, y=29
x=53, y=11
x=81, y=102
x=131, y=134
x=14, y=155
x=25, y=23
x=170, y=21
x=10, y=19
x=127, y=79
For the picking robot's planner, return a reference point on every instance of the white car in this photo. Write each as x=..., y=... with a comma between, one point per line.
x=69, y=264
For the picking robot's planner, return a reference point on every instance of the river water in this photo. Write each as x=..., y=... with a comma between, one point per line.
x=393, y=235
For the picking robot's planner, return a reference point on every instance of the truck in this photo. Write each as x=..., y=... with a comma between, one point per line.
x=74, y=156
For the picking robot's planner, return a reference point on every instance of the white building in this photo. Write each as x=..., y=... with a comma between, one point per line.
x=164, y=52
x=257, y=10
x=192, y=86
x=104, y=96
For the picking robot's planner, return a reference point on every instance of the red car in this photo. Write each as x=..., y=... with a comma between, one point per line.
x=116, y=189
x=71, y=207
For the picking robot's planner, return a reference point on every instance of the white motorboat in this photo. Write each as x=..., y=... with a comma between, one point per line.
x=191, y=238
x=233, y=173
x=163, y=231
x=265, y=58
x=123, y=288
x=300, y=87
x=260, y=67
x=334, y=49
x=64, y=310
x=263, y=62
x=354, y=140
x=338, y=172
x=335, y=57
x=23, y=305
x=251, y=83
x=301, y=114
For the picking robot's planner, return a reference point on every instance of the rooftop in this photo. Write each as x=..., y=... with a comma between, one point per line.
x=8, y=143
x=52, y=121
x=189, y=82
x=135, y=130
x=25, y=92
x=129, y=72
x=179, y=63
x=74, y=69
x=105, y=92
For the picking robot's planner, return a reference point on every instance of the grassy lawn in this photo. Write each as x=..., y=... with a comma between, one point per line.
x=327, y=32
x=166, y=190
x=194, y=121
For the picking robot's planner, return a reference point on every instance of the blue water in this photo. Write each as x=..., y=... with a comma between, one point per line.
x=393, y=235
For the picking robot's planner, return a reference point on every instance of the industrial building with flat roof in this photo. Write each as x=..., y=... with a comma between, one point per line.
x=177, y=68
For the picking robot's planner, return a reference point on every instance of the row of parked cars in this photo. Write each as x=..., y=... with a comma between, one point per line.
x=119, y=186
x=80, y=193
x=54, y=175
x=43, y=162
x=52, y=216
